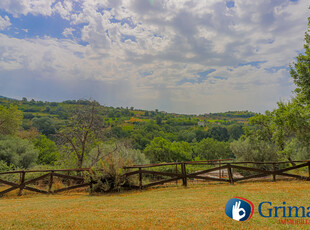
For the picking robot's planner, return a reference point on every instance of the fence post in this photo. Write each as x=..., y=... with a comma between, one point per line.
x=50, y=182
x=273, y=174
x=231, y=179
x=220, y=171
x=176, y=171
x=309, y=169
x=22, y=181
x=68, y=182
x=183, y=169
x=140, y=178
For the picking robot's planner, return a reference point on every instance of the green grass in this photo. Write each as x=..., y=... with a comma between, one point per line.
x=196, y=207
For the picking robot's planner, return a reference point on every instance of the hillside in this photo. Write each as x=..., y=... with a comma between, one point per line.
x=161, y=136
x=63, y=110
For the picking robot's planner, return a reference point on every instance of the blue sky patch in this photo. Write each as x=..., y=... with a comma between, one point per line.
x=276, y=69
x=147, y=73
x=253, y=63
x=30, y=26
x=185, y=80
x=202, y=77
x=220, y=78
x=230, y=4
x=128, y=37
x=124, y=21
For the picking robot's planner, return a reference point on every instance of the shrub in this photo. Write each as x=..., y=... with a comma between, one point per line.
x=107, y=175
x=18, y=152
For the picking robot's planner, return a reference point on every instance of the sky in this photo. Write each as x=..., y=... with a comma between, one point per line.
x=181, y=56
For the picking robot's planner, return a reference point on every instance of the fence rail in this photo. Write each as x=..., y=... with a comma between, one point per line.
x=226, y=164
x=50, y=175
x=181, y=173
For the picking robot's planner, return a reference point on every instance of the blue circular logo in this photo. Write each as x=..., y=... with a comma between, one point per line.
x=239, y=209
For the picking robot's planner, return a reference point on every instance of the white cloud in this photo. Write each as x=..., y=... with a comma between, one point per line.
x=170, y=41
x=68, y=32
x=24, y=7
x=64, y=9
x=4, y=22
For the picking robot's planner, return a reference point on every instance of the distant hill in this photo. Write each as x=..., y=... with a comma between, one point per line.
x=125, y=116
x=7, y=98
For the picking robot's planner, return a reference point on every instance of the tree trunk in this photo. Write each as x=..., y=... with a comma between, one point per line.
x=80, y=162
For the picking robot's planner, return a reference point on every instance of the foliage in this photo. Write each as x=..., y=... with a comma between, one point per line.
x=76, y=140
x=107, y=175
x=81, y=133
x=235, y=131
x=300, y=70
x=219, y=133
x=210, y=149
x=10, y=120
x=118, y=148
x=45, y=125
x=162, y=150
x=18, y=152
x=159, y=150
x=48, y=153
x=250, y=149
x=4, y=167
x=280, y=127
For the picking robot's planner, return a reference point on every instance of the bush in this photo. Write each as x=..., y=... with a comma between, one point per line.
x=115, y=148
x=253, y=150
x=107, y=175
x=18, y=152
x=48, y=153
x=4, y=167
x=210, y=149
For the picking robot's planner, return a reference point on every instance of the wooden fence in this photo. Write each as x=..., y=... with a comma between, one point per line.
x=277, y=169
x=180, y=173
x=48, y=177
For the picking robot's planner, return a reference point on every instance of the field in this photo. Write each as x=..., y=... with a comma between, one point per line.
x=196, y=207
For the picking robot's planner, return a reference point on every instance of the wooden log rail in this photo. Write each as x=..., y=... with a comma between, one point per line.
x=181, y=173
x=223, y=164
x=49, y=175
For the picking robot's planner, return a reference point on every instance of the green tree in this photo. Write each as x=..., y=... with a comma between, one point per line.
x=10, y=120
x=158, y=150
x=219, y=133
x=236, y=131
x=278, y=128
x=45, y=125
x=210, y=149
x=18, y=152
x=300, y=70
x=162, y=150
x=158, y=120
x=181, y=151
x=252, y=149
x=48, y=153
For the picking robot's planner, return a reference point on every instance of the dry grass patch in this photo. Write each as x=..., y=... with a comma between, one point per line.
x=195, y=207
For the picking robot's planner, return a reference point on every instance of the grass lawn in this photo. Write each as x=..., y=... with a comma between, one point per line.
x=196, y=207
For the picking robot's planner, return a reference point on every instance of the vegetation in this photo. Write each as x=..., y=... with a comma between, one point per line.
x=80, y=133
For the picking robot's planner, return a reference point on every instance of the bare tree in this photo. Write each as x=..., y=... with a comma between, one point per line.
x=83, y=131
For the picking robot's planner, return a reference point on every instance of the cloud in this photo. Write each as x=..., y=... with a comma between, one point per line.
x=68, y=32
x=4, y=22
x=24, y=7
x=190, y=56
